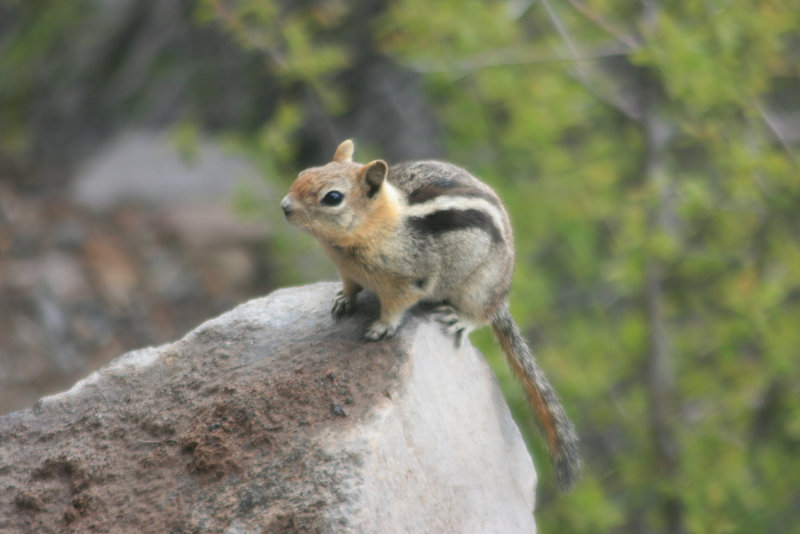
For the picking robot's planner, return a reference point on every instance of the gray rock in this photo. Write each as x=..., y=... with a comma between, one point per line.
x=274, y=418
x=146, y=167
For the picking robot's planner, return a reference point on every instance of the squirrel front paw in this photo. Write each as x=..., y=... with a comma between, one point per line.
x=343, y=304
x=380, y=330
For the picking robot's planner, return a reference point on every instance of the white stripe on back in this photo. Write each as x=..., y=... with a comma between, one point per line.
x=458, y=203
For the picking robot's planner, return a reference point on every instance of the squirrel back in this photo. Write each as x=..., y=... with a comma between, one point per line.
x=427, y=231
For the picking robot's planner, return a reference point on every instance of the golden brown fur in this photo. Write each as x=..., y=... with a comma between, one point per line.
x=426, y=232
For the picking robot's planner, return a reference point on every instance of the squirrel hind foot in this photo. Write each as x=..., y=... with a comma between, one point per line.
x=452, y=324
x=380, y=330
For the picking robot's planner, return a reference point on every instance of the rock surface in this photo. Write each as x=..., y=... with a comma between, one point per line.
x=274, y=418
x=146, y=167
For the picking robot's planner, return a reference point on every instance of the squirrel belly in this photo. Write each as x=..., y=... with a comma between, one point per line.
x=427, y=231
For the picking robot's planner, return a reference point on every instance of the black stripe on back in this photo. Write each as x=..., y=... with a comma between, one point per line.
x=450, y=188
x=450, y=220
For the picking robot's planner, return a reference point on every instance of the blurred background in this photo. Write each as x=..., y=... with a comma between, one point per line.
x=647, y=152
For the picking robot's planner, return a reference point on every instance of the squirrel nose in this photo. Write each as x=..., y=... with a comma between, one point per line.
x=286, y=205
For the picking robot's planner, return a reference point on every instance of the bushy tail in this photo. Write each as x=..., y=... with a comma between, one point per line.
x=562, y=441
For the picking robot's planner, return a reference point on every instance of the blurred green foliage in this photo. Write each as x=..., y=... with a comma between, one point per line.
x=654, y=200
x=42, y=28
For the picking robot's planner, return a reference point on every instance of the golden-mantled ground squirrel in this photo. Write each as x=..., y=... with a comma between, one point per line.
x=430, y=232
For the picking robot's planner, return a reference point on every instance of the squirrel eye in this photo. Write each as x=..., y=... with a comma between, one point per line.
x=332, y=198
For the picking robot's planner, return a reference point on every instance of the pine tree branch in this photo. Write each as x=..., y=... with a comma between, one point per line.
x=599, y=21
x=787, y=147
x=500, y=59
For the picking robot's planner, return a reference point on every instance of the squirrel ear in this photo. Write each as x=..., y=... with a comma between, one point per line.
x=344, y=152
x=374, y=174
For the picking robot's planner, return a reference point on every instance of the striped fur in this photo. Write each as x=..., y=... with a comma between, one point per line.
x=427, y=231
x=451, y=188
x=453, y=212
x=448, y=220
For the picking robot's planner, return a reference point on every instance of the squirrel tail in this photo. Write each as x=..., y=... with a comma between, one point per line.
x=562, y=440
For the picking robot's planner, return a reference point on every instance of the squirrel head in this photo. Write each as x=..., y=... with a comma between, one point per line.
x=343, y=201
